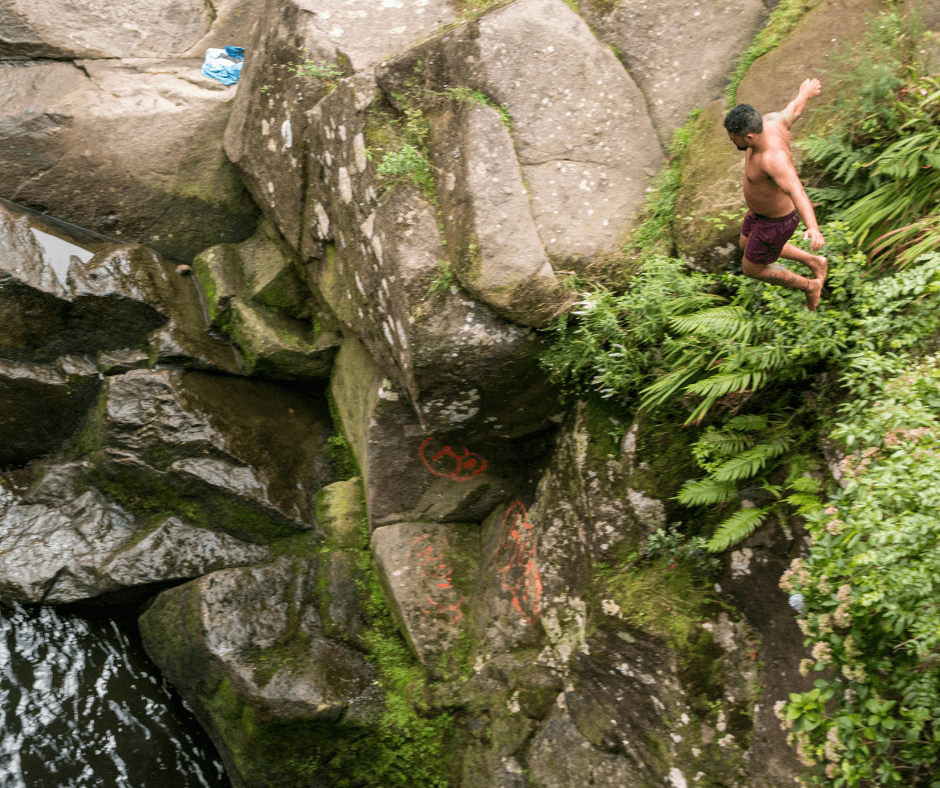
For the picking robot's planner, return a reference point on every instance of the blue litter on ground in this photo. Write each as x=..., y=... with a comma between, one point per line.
x=225, y=65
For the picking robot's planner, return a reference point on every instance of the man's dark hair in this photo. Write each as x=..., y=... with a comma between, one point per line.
x=743, y=120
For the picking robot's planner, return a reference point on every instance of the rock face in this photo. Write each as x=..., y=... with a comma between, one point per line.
x=60, y=546
x=113, y=300
x=259, y=649
x=429, y=570
x=257, y=298
x=197, y=435
x=679, y=55
x=73, y=133
x=429, y=174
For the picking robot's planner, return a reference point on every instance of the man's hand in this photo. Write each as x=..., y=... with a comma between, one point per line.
x=810, y=88
x=816, y=238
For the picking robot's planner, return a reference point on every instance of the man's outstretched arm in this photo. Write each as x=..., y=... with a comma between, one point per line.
x=794, y=109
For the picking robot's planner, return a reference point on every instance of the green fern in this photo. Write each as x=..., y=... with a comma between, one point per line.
x=730, y=322
x=705, y=492
x=739, y=526
x=750, y=462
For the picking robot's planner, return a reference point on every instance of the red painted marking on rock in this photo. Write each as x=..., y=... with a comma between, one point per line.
x=515, y=562
x=434, y=572
x=448, y=465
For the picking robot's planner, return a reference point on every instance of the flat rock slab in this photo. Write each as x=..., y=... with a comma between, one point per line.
x=429, y=571
x=58, y=546
x=680, y=54
x=100, y=28
x=72, y=139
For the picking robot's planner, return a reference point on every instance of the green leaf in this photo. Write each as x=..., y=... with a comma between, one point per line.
x=737, y=527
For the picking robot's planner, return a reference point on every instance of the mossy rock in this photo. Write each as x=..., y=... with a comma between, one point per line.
x=341, y=512
x=277, y=346
x=709, y=203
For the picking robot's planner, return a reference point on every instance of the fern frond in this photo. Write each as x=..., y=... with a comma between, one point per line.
x=747, y=422
x=705, y=492
x=804, y=502
x=805, y=484
x=730, y=322
x=719, y=385
x=745, y=465
x=722, y=443
x=739, y=526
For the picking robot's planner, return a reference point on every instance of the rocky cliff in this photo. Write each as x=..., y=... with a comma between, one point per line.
x=372, y=545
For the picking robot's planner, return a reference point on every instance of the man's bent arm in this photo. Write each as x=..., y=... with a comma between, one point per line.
x=794, y=109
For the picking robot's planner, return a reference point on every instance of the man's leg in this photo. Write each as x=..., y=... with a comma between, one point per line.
x=816, y=263
x=778, y=275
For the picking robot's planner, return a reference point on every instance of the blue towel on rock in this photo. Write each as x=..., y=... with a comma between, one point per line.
x=224, y=65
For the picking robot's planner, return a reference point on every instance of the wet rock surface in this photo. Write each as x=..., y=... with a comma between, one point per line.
x=257, y=633
x=60, y=545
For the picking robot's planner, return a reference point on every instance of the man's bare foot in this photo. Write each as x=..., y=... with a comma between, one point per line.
x=819, y=265
x=813, y=291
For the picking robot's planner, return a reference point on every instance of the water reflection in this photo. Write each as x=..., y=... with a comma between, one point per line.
x=82, y=706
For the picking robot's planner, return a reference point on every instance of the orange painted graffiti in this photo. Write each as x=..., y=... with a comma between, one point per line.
x=435, y=572
x=515, y=562
x=448, y=464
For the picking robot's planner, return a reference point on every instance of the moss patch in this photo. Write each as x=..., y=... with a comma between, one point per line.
x=148, y=497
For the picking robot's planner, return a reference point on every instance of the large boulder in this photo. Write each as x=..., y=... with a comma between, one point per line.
x=58, y=545
x=239, y=455
x=582, y=135
x=247, y=650
x=47, y=29
x=122, y=29
x=680, y=56
x=709, y=204
x=460, y=456
x=72, y=140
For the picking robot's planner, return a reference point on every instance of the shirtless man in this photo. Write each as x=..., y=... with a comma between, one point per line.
x=775, y=197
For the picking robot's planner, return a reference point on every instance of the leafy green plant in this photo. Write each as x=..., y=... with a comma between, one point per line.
x=323, y=70
x=400, y=141
x=445, y=279
x=670, y=544
x=466, y=95
x=870, y=586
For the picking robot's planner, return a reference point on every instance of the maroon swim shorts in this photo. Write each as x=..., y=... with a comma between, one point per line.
x=767, y=236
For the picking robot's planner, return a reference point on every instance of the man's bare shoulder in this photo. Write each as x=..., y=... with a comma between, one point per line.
x=784, y=118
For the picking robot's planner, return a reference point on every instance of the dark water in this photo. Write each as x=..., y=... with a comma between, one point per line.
x=83, y=706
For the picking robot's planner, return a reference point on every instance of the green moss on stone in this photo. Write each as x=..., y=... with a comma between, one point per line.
x=148, y=497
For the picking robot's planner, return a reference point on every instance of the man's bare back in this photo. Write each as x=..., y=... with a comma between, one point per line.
x=775, y=197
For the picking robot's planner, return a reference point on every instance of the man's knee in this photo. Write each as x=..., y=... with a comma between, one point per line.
x=753, y=270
